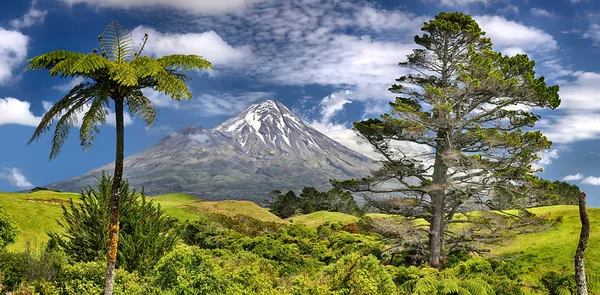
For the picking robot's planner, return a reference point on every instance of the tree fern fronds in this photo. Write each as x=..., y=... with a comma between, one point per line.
x=50, y=59
x=57, y=109
x=146, y=67
x=61, y=132
x=93, y=117
x=183, y=62
x=89, y=63
x=124, y=74
x=141, y=106
x=173, y=87
x=117, y=43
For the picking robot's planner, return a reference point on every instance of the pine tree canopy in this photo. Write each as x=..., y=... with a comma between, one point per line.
x=473, y=108
x=118, y=71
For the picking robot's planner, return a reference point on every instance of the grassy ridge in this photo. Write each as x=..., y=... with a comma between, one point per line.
x=36, y=214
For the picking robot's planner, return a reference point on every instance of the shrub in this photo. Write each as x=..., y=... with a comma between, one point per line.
x=191, y=270
x=146, y=232
x=8, y=230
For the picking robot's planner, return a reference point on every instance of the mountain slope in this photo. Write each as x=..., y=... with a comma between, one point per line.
x=265, y=147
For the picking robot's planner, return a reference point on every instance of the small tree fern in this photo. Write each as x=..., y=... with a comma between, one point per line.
x=117, y=74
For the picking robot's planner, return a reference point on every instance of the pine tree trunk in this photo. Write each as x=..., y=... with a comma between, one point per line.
x=438, y=205
x=583, y=241
x=113, y=230
x=436, y=231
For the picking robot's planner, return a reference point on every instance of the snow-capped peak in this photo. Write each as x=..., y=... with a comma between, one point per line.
x=270, y=126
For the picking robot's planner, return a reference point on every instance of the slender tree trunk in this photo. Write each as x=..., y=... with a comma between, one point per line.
x=583, y=241
x=113, y=230
x=436, y=230
x=438, y=205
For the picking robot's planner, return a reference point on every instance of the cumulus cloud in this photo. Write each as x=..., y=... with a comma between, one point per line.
x=32, y=17
x=15, y=177
x=14, y=111
x=574, y=177
x=13, y=52
x=591, y=180
x=206, y=44
x=159, y=99
x=522, y=38
x=546, y=158
x=195, y=6
x=578, y=117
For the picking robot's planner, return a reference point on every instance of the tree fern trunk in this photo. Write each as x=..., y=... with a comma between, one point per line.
x=583, y=241
x=113, y=230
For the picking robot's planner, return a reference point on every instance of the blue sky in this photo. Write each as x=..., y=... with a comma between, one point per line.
x=331, y=62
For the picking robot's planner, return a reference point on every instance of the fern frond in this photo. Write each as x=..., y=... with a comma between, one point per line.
x=95, y=116
x=50, y=59
x=448, y=287
x=67, y=120
x=593, y=282
x=425, y=286
x=73, y=97
x=184, y=62
x=124, y=74
x=117, y=43
x=89, y=63
x=141, y=106
x=476, y=287
x=146, y=67
x=172, y=86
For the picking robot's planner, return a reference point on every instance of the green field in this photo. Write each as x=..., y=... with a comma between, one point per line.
x=36, y=213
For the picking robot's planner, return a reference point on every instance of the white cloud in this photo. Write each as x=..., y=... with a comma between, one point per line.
x=13, y=52
x=578, y=116
x=69, y=85
x=591, y=180
x=546, y=158
x=207, y=44
x=522, y=39
x=159, y=99
x=14, y=111
x=593, y=33
x=334, y=103
x=542, y=12
x=193, y=6
x=208, y=105
x=577, y=176
x=32, y=17
x=15, y=177
x=454, y=3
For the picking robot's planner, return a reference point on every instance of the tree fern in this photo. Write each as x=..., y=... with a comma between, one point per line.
x=119, y=73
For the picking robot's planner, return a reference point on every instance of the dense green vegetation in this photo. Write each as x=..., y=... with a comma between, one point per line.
x=311, y=200
x=333, y=252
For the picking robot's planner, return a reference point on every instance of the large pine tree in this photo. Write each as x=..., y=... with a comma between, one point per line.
x=472, y=107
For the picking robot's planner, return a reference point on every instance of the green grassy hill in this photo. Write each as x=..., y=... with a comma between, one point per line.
x=554, y=249
x=36, y=213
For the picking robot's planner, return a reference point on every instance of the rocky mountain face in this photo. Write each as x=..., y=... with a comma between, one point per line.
x=265, y=147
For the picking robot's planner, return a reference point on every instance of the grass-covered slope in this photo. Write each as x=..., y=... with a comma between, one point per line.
x=37, y=213
x=554, y=249
x=320, y=217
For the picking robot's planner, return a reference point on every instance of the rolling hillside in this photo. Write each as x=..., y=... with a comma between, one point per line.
x=36, y=213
